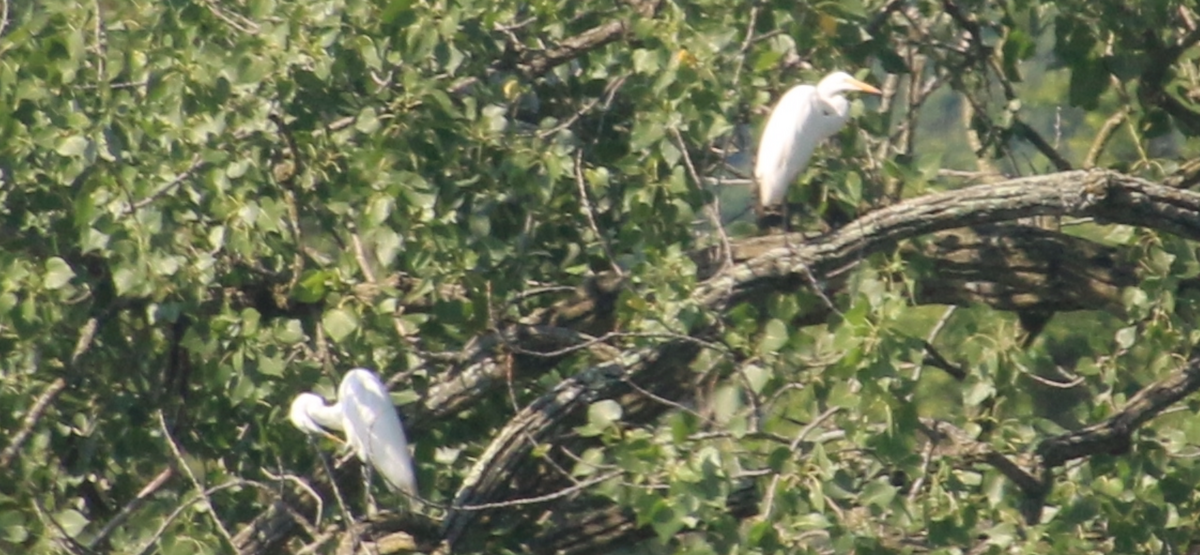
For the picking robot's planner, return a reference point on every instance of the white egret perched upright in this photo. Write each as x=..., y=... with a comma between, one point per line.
x=804, y=116
x=366, y=414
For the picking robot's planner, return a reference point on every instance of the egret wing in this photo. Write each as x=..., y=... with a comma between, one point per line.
x=787, y=143
x=379, y=437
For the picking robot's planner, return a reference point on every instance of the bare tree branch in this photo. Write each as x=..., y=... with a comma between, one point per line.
x=1114, y=435
x=86, y=334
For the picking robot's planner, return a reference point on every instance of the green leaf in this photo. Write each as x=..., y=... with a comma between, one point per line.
x=72, y=522
x=779, y=457
x=311, y=286
x=665, y=520
x=756, y=377
x=380, y=209
x=58, y=273
x=164, y=265
x=12, y=527
x=766, y=60
x=290, y=333
x=775, y=336
x=978, y=392
x=1126, y=337
x=399, y=13
x=878, y=493
x=73, y=146
x=93, y=240
x=496, y=118
x=339, y=323
x=367, y=121
x=1002, y=534
x=645, y=61
x=271, y=366
x=126, y=279
x=849, y=189
x=602, y=414
x=387, y=246
x=850, y=9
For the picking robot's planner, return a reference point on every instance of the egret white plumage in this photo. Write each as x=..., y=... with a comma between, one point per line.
x=804, y=116
x=365, y=413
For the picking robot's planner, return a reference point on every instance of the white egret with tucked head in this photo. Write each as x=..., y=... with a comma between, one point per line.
x=365, y=413
x=804, y=116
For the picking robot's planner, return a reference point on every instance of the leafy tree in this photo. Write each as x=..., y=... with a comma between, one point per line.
x=530, y=217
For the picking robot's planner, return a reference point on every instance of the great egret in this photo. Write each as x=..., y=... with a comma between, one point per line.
x=365, y=413
x=805, y=116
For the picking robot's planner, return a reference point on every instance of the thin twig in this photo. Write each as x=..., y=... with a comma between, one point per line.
x=133, y=505
x=747, y=42
x=963, y=174
x=31, y=418
x=926, y=462
x=532, y=500
x=609, y=92
x=318, y=541
x=187, y=469
x=663, y=400
x=3, y=17
x=237, y=21
x=935, y=359
x=337, y=493
x=289, y=197
x=360, y=255
x=589, y=212
x=52, y=391
x=303, y=486
x=587, y=341
x=196, y=163
x=1057, y=385
x=769, y=500
x=941, y=323
x=704, y=436
x=1103, y=136
x=203, y=495
x=63, y=538
x=98, y=36
x=712, y=208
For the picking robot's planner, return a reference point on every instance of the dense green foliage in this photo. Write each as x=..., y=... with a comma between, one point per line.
x=208, y=206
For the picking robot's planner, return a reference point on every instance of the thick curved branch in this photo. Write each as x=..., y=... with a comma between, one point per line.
x=492, y=477
x=1106, y=196
x=1097, y=193
x=1113, y=436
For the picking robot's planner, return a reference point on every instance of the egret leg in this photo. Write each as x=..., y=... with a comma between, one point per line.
x=371, y=509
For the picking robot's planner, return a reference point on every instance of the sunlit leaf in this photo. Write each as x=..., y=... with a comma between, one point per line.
x=58, y=273
x=339, y=323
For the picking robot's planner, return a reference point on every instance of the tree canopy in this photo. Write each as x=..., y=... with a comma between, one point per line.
x=531, y=219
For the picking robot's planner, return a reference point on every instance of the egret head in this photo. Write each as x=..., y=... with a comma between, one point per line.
x=840, y=82
x=303, y=407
